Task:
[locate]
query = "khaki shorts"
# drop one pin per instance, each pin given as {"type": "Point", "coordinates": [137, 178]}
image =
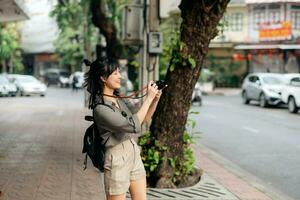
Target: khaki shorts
{"type": "Point", "coordinates": [123, 164]}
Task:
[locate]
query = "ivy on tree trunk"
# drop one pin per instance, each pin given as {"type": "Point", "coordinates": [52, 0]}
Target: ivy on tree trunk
{"type": "Point", "coordinates": [200, 19]}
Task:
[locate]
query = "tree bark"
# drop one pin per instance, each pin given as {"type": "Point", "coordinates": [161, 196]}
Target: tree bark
{"type": "Point", "coordinates": [107, 29]}
{"type": "Point", "coordinates": [199, 25]}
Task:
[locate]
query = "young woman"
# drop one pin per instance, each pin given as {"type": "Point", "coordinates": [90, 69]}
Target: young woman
{"type": "Point", "coordinates": [118, 122]}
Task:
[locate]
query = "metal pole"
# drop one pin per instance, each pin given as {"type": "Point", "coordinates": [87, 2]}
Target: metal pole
{"type": "Point", "coordinates": [153, 27]}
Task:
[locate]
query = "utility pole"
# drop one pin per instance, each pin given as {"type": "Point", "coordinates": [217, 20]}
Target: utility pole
{"type": "Point", "coordinates": [153, 67]}
{"type": "Point", "coordinates": [152, 44]}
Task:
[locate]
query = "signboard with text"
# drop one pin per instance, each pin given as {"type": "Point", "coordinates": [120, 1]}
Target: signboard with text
{"type": "Point", "coordinates": [275, 31]}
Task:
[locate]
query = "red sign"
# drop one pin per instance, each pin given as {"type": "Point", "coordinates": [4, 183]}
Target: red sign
{"type": "Point", "coordinates": [275, 31]}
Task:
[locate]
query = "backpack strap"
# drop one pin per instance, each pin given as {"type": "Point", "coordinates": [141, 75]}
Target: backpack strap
{"type": "Point", "coordinates": [85, 162]}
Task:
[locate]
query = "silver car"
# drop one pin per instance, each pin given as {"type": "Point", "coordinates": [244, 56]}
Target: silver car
{"type": "Point", "coordinates": [291, 92]}
{"type": "Point", "coordinates": [28, 85]}
{"type": "Point", "coordinates": [263, 87]}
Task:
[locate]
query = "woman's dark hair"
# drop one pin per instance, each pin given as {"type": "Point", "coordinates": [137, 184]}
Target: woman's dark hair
{"type": "Point", "coordinates": [98, 68]}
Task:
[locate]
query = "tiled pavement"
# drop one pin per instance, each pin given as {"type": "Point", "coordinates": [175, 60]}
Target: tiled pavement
{"type": "Point", "coordinates": [40, 156]}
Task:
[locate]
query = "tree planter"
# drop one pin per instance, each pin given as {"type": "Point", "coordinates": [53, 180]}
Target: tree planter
{"type": "Point", "coordinates": [208, 189]}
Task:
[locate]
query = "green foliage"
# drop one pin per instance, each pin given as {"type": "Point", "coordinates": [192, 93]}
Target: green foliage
{"type": "Point", "coordinates": [10, 46]}
{"type": "Point", "coordinates": [115, 13]}
{"type": "Point", "coordinates": [223, 24]}
{"type": "Point", "coordinates": [227, 73]}
{"type": "Point", "coordinates": [73, 19]}
{"type": "Point", "coordinates": [170, 30]}
{"type": "Point", "coordinates": [173, 53]}
{"type": "Point", "coordinates": [152, 153]}
{"type": "Point", "coordinates": [185, 166]}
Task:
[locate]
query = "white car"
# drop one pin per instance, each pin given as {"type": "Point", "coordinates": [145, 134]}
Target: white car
{"type": "Point", "coordinates": [263, 87]}
{"type": "Point", "coordinates": [3, 86]}
{"type": "Point", "coordinates": [7, 88]}
{"type": "Point", "coordinates": [291, 92]}
{"type": "Point", "coordinates": [80, 79]}
{"type": "Point", "coordinates": [197, 94]}
{"type": "Point", "coordinates": [28, 85]}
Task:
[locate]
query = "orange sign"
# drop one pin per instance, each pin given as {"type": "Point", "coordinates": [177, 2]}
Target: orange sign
{"type": "Point", "coordinates": [275, 31]}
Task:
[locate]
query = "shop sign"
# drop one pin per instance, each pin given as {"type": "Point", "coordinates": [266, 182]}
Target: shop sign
{"type": "Point", "coordinates": [275, 31]}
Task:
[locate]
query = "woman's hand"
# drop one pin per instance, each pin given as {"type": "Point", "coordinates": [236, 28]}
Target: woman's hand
{"type": "Point", "coordinates": [158, 95]}
{"type": "Point", "coordinates": [152, 90]}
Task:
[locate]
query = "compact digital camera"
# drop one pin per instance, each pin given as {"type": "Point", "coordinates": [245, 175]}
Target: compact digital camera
{"type": "Point", "coordinates": [160, 84]}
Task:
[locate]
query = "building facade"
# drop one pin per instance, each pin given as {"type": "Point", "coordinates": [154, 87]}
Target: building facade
{"type": "Point", "coordinates": [273, 44]}
{"type": "Point", "coordinates": [13, 10]}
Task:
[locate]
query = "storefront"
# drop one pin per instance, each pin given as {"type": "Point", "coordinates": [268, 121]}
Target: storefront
{"type": "Point", "coordinates": [277, 58]}
{"type": "Point", "coordinates": [273, 43]}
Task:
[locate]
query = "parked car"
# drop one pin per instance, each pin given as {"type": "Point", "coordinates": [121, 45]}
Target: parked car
{"type": "Point", "coordinates": [291, 92]}
{"type": "Point", "coordinates": [263, 87]}
{"type": "Point", "coordinates": [3, 86]}
{"type": "Point", "coordinates": [64, 79]}
{"type": "Point", "coordinates": [10, 87]}
{"type": "Point", "coordinates": [54, 76]}
{"type": "Point", "coordinates": [197, 95]}
{"type": "Point", "coordinates": [28, 85]}
{"type": "Point", "coordinates": [79, 79]}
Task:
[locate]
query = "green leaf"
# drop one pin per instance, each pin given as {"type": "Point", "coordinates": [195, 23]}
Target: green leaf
{"type": "Point", "coordinates": [172, 67]}
{"type": "Point", "coordinates": [152, 168]}
{"type": "Point", "coordinates": [171, 162]}
{"type": "Point", "coordinates": [193, 124]}
{"type": "Point", "coordinates": [192, 62]}
{"type": "Point", "coordinates": [181, 45]}
{"type": "Point", "coordinates": [194, 112]}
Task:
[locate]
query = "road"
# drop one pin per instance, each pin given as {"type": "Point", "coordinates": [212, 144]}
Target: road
{"type": "Point", "coordinates": [262, 141]}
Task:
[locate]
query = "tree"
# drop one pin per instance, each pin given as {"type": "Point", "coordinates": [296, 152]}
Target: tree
{"type": "Point", "coordinates": [200, 19]}
{"type": "Point", "coordinates": [10, 52]}
{"type": "Point", "coordinates": [107, 17]}
{"type": "Point", "coordinates": [76, 32]}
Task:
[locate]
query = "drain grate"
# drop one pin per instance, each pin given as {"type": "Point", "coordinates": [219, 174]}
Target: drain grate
{"type": "Point", "coordinates": [207, 188]}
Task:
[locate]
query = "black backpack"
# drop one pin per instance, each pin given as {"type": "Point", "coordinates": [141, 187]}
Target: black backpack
{"type": "Point", "coordinates": [94, 145]}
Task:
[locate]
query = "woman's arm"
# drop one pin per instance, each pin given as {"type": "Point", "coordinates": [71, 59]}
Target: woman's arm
{"type": "Point", "coordinates": [151, 94]}
{"type": "Point", "coordinates": [152, 107]}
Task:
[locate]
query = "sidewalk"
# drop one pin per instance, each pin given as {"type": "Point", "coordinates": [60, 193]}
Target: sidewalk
{"type": "Point", "coordinates": [40, 158]}
{"type": "Point", "coordinates": [233, 178]}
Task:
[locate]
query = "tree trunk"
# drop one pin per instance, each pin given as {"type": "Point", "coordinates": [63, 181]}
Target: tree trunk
{"type": "Point", "coordinates": [107, 29]}
{"type": "Point", "coordinates": [199, 25]}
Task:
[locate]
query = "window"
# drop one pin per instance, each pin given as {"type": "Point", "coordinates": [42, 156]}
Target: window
{"type": "Point", "coordinates": [236, 22]}
{"type": "Point", "coordinates": [253, 79]}
{"type": "Point", "coordinates": [295, 17]}
{"type": "Point", "coordinates": [295, 81]}
{"type": "Point", "coordinates": [274, 13]}
{"type": "Point", "coordinates": [266, 14]}
{"type": "Point", "coordinates": [259, 16]}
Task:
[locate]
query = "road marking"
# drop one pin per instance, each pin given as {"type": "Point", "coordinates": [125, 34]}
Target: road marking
{"type": "Point", "coordinates": [211, 116]}
{"type": "Point", "coordinates": [214, 103]}
{"type": "Point", "coordinates": [253, 130]}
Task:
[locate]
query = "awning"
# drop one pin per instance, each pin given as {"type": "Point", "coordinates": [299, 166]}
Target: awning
{"type": "Point", "coordinates": [12, 10]}
{"type": "Point", "coordinates": [267, 46]}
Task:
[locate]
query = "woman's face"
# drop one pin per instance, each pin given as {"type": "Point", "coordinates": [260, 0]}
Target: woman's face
{"type": "Point", "coordinates": [113, 81]}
